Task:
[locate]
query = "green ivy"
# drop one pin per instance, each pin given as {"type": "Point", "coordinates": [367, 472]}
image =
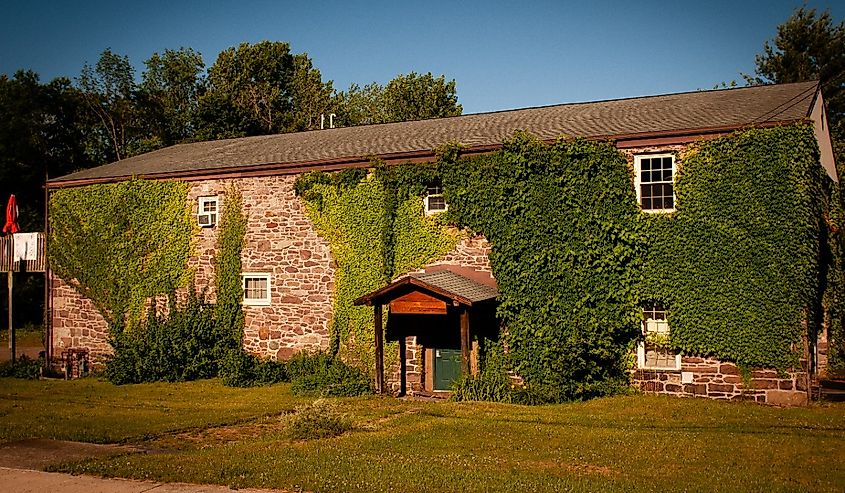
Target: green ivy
{"type": "Point", "coordinates": [738, 264]}
{"type": "Point", "coordinates": [562, 222]}
{"type": "Point", "coordinates": [120, 244]}
{"type": "Point", "coordinates": [377, 230]}
{"type": "Point", "coordinates": [227, 264]}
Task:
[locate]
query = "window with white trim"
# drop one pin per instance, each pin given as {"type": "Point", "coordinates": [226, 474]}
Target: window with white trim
{"type": "Point", "coordinates": [654, 353]}
{"type": "Point", "coordinates": [207, 211]}
{"type": "Point", "coordinates": [256, 287]}
{"type": "Point", "coordinates": [654, 176]}
{"type": "Point", "coordinates": [434, 201]}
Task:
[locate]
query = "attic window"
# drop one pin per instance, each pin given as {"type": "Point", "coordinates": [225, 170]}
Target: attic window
{"type": "Point", "coordinates": [207, 211]}
{"type": "Point", "coordinates": [653, 353]}
{"type": "Point", "coordinates": [434, 201]}
{"type": "Point", "coordinates": [654, 176]}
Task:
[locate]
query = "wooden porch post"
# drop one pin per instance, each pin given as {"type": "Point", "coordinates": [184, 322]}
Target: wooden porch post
{"type": "Point", "coordinates": [12, 347]}
{"type": "Point", "coordinates": [465, 370]}
{"type": "Point", "coordinates": [379, 349]}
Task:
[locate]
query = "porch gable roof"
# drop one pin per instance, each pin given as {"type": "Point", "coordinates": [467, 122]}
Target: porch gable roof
{"type": "Point", "coordinates": [444, 283]}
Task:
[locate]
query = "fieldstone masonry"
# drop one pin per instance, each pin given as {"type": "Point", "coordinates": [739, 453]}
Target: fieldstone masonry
{"type": "Point", "coordinates": [281, 241]}
{"type": "Point", "coordinates": [711, 378]}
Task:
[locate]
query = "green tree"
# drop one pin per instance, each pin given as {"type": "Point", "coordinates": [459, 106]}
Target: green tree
{"type": "Point", "coordinates": [310, 96]}
{"type": "Point", "coordinates": [169, 94]}
{"type": "Point", "coordinates": [418, 97]}
{"type": "Point", "coordinates": [109, 92]}
{"type": "Point", "coordinates": [808, 46]}
{"type": "Point", "coordinates": [407, 97]}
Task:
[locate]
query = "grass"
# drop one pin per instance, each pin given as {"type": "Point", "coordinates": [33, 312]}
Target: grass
{"type": "Point", "coordinates": [211, 434]}
{"type": "Point", "coordinates": [95, 411]}
{"type": "Point", "coordinates": [27, 336]}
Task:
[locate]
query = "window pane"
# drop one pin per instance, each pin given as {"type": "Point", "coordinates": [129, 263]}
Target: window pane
{"type": "Point", "coordinates": [646, 202]}
{"type": "Point", "coordinates": [667, 175]}
{"type": "Point", "coordinates": [667, 163]}
{"type": "Point", "coordinates": [436, 203]}
{"type": "Point", "coordinates": [645, 164]}
{"type": "Point", "coordinates": [645, 176]}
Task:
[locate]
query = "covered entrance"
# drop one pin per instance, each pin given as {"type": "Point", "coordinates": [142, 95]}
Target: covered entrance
{"type": "Point", "coordinates": [438, 318]}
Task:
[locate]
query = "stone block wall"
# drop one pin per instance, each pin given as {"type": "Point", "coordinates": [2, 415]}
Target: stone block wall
{"type": "Point", "coordinates": [280, 240]}
{"type": "Point", "coordinates": [76, 323]}
{"type": "Point", "coordinates": [711, 378]}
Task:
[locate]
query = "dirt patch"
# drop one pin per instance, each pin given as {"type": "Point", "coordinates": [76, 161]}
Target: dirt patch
{"type": "Point", "coordinates": [38, 453]}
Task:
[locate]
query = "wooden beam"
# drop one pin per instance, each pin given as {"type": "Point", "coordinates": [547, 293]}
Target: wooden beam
{"type": "Point", "coordinates": [465, 370]}
{"type": "Point", "coordinates": [379, 336]}
{"type": "Point", "coordinates": [11, 327]}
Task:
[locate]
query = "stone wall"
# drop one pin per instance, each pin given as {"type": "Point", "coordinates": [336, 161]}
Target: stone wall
{"type": "Point", "coordinates": [76, 323]}
{"type": "Point", "coordinates": [280, 240]}
{"type": "Point", "coordinates": [710, 378]}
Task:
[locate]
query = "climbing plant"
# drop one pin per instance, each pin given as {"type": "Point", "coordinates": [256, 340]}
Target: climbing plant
{"type": "Point", "coordinates": [122, 243]}
{"type": "Point", "coordinates": [377, 231]}
{"type": "Point", "coordinates": [227, 265]}
{"type": "Point", "coordinates": [562, 220]}
{"type": "Point", "coordinates": [738, 264]}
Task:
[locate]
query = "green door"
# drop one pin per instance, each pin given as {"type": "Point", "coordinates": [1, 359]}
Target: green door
{"type": "Point", "coordinates": [447, 368]}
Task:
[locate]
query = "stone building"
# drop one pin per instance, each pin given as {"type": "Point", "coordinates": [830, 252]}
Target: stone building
{"type": "Point", "coordinates": [288, 269]}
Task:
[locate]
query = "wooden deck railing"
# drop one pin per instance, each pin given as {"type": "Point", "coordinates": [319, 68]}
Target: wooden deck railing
{"type": "Point", "coordinates": [7, 256]}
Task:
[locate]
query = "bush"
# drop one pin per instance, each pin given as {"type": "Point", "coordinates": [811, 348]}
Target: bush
{"type": "Point", "coordinates": [492, 383]}
{"type": "Point", "coordinates": [320, 374]}
{"type": "Point", "coordinates": [241, 369]}
{"type": "Point", "coordinates": [24, 367]}
{"type": "Point", "coordinates": [318, 420]}
{"type": "Point", "coordinates": [186, 343]}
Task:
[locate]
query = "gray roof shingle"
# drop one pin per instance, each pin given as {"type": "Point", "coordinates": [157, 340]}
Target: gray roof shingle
{"type": "Point", "coordinates": [729, 108]}
{"type": "Point", "coordinates": [457, 284]}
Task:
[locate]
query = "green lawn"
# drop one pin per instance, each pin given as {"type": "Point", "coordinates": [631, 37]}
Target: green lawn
{"type": "Point", "coordinates": [207, 433]}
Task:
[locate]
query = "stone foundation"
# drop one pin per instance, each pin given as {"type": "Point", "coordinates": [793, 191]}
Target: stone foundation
{"type": "Point", "coordinates": [713, 379]}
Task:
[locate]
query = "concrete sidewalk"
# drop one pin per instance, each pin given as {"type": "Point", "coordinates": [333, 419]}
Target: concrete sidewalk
{"type": "Point", "coordinates": [29, 481]}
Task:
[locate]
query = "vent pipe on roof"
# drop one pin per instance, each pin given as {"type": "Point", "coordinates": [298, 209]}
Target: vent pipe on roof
{"type": "Point", "coordinates": [323, 120]}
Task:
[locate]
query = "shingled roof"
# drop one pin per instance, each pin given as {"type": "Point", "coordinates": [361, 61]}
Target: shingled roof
{"type": "Point", "coordinates": [443, 282]}
{"type": "Point", "coordinates": [688, 113]}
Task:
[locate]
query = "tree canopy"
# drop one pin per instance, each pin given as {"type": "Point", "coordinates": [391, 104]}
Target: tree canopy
{"type": "Point", "coordinates": [808, 46]}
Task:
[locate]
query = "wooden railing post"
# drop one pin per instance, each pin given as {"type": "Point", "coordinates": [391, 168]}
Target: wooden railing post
{"type": "Point", "coordinates": [465, 370]}
{"type": "Point", "coordinates": [379, 335]}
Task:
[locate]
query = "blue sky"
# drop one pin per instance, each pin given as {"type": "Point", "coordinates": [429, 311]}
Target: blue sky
{"type": "Point", "coordinates": [502, 54]}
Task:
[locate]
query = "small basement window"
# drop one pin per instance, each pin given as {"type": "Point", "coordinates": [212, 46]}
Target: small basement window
{"type": "Point", "coordinates": [653, 353]}
{"type": "Point", "coordinates": [207, 211]}
{"type": "Point", "coordinates": [434, 201]}
{"type": "Point", "coordinates": [256, 289]}
{"type": "Point", "coordinates": [654, 176]}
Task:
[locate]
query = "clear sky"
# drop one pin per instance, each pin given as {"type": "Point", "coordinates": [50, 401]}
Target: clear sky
{"type": "Point", "coordinates": [503, 55]}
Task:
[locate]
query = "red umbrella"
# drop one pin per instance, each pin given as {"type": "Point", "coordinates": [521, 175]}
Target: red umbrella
{"type": "Point", "coordinates": [11, 216]}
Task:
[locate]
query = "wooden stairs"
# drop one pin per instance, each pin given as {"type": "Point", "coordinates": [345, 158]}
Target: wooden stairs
{"type": "Point", "coordinates": [830, 390]}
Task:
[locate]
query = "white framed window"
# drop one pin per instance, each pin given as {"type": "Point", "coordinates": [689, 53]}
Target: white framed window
{"type": "Point", "coordinates": [654, 180]}
{"type": "Point", "coordinates": [434, 201]}
{"type": "Point", "coordinates": [653, 352]}
{"type": "Point", "coordinates": [207, 211]}
{"type": "Point", "coordinates": [256, 287]}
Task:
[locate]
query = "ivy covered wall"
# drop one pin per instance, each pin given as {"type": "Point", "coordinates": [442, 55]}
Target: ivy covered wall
{"type": "Point", "coordinates": [739, 264]}
{"type": "Point", "coordinates": [377, 232]}
{"type": "Point", "coordinates": [120, 244]}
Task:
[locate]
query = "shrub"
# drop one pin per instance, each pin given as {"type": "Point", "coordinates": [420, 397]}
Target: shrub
{"type": "Point", "coordinates": [24, 367]}
{"type": "Point", "coordinates": [185, 343]}
{"type": "Point", "coordinates": [241, 369]}
{"type": "Point", "coordinates": [492, 382]}
{"type": "Point", "coordinates": [318, 420]}
{"type": "Point", "coordinates": [320, 374]}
